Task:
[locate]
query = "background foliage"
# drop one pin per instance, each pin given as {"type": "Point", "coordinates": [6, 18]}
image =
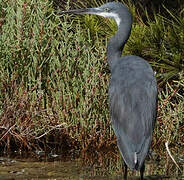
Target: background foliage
{"type": "Point", "coordinates": [54, 75]}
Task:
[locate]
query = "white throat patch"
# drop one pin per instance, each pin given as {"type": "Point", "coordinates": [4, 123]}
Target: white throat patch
{"type": "Point", "coordinates": [111, 15]}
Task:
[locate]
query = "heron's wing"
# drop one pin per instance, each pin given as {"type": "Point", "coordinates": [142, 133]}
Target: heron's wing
{"type": "Point", "coordinates": [133, 113]}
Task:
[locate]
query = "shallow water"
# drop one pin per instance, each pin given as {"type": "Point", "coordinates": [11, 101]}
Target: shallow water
{"type": "Point", "coordinates": [103, 167]}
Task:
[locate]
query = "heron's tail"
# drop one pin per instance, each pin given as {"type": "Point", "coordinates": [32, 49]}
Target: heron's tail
{"type": "Point", "coordinates": [136, 161]}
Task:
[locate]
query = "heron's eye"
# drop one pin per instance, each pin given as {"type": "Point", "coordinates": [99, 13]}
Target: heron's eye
{"type": "Point", "coordinates": [107, 9]}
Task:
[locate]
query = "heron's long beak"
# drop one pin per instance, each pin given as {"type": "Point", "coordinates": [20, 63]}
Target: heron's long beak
{"type": "Point", "coordinates": [81, 11]}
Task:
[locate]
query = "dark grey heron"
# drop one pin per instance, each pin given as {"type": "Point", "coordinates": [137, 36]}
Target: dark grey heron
{"type": "Point", "coordinates": [132, 90]}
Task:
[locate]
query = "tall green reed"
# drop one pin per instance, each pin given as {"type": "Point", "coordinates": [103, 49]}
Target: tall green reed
{"type": "Point", "coordinates": [47, 61]}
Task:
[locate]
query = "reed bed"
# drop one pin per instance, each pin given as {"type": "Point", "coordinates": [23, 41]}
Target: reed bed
{"type": "Point", "coordinates": [54, 79]}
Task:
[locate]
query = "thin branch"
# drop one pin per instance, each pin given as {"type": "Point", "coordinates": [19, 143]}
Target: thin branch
{"type": "Point", "coordinates": [9, 130]}
{"type": "Point", "coordinates": [167, 148]}
{"type": "Point", "coordinates": [55, 127]}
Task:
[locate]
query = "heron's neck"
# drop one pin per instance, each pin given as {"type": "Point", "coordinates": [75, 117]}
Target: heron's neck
{"type": "Point", "coordinates": [117, 42]}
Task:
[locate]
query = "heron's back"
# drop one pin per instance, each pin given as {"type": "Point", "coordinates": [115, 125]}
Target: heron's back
{"type": "Point", "coordinates": [133, 101]}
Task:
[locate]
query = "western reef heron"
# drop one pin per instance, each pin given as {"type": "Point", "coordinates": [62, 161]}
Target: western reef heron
{"type": "Point", "coordinates": [132, 90]}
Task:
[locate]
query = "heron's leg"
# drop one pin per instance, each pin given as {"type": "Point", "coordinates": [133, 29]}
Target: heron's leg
{"type": "Point", "coordinates": [142, 171]}
{"type": "Point", "coordinates": [125, 170]}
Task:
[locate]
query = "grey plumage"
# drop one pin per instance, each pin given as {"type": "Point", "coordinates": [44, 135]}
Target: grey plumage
{"type": "Point", "coordinates": [133, 108]}
{"type": "Point", "coordinates": [132, 90]}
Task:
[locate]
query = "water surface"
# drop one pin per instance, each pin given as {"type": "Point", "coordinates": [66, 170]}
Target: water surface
{"type": "Point", "coordinates": [103, 167]}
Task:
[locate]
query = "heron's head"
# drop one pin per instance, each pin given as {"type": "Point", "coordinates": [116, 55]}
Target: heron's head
{"type": "Point", "coordinates": [115, 10]}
